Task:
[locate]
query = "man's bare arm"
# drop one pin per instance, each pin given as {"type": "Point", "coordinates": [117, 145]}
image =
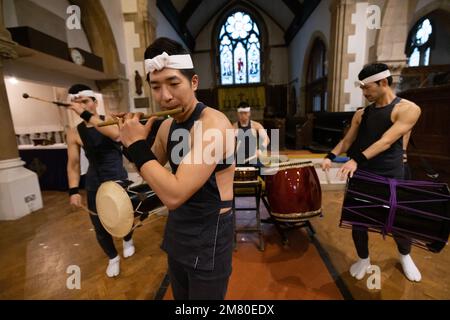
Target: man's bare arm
{"type": "Point", "coordinates": [175, 189]}
{"type": "Point", "coordinates": [263, 133]}
{"type": "Point", "coordinates": [160, 144]}
{"type": "Point", "coordinates": [73, 161]}
{"type": "Point", "coordinates": [111, 132]}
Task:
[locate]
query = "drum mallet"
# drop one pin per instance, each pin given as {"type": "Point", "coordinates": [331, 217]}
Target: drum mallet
{"type": "Point", "coordinates": [58, 103]}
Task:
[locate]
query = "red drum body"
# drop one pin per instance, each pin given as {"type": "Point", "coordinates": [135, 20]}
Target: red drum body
{"type": "Point", "coordinates": [294, 193]}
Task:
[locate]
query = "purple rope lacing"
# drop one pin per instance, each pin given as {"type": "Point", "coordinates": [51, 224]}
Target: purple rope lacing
{"type": "Point", "coordinates": [394, 204]}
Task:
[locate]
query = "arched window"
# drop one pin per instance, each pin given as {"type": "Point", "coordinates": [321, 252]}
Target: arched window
{"type": "Point", "coordinates": [316, 78]}
{"type": "Point", "coordinates": [419, 44]}
{"type": "Point", "coordinates": [239, 50]}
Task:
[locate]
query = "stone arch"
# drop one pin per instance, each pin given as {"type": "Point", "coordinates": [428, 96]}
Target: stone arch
{"type": "Point", "coordinates": [435, 5]}
{"type": "Point", "coordinates": [396, 25]}
{"type": "Point", "coordinates": [101, 39]}
{"type": "Point", "coordinates": [392, 36]}
{"type": "Point", "coordinates": [316, 35]}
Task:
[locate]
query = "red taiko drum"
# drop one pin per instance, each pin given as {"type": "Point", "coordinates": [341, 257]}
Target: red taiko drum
{"type": "Point", "coordinates": [294, 192]}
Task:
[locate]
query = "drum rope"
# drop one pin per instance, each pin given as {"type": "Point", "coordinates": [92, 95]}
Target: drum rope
{"type": "Point", "coordinates": [140, 224]}
{"type": "Point", "coordinates": [88, 211]}
{"type": "Point", "coordinates": [394, 203]}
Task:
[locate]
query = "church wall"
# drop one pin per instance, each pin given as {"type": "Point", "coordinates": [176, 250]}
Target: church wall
{"type": "Point", "coordinates": [48, 17]}
{"type": "Point", "coordinates": [423, 3]}
{"type": "Point", "coordinates": [165, 29]}
{"type": "Point", "coordinates": [318, 23]}
{"type": "Point", "coordinates": [276, 53]}
{"type": "Point", "coordinates": [113, 10]}
{"type": "Point", "coordinates": [440, 52]}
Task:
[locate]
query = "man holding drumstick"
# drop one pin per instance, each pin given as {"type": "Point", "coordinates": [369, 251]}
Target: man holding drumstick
{"type": "Point", "coordinates": [374, 143]}
{"type": "Point", "coordinates": [105, 163]}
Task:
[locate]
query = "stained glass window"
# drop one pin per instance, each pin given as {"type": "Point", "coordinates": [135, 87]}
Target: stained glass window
{"type": "Point", "coordinates": [419, 47]}
{"type": "Point", "coordinates": [239, 50]}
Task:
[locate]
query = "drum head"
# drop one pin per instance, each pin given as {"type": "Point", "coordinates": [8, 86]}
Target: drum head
{"type": "Point", "coordinates": [114, 209]}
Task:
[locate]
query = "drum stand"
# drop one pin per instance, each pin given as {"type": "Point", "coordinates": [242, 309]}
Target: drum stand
{"type": "Point", "coordinates": [283, 227]}
{"type": "Point", "coordinates": [248, 189]}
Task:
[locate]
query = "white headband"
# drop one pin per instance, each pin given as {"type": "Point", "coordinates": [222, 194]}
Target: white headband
{"type": "Point", "coordinates": [376, 77]}
{"type": "Point", "coordinates": [179, 61]}
{"type": "Point", "coordinates": [84, 93]}
{"type": "Point", "coordinates": [243, 109]}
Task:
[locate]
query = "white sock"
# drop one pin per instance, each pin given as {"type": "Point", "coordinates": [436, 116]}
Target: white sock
{"type": "Point", "coordinates": [113, 269]}
{"type": "Point", "coordinates": [359, 268]}
{"type": "Point", "coordinates": [409, 268]}
{"type": "Point", "coordinates": [128, 248]}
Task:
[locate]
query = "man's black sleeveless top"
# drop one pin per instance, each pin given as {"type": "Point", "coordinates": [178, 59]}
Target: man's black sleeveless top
{"type": "Point", "coordinates": [374, 123]}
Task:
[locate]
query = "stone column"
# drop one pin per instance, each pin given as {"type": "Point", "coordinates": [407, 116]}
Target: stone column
{"type": "Point", "coordinates": [19, 187]}
{"type": "Point", "coordinates": [339, 58]}
{"type": "Point", "coordinates": [140, 31]}
{"type": "Point", "coordinates": [392, 38]}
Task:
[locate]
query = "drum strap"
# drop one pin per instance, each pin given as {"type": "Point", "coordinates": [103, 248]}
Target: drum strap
{"type": "Point", "coordinates": [141, 223]}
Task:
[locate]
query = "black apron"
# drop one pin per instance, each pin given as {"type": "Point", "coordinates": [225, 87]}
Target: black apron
{"type": "Point", "coordinates": [246, 145]}
{"type": "Point", "coordinates": [104, 155]}
{"type": "Point", "coordinates": [196, 234]}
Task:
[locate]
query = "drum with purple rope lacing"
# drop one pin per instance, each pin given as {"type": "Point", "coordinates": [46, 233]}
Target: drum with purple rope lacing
{"type": "Point", "coordinates": [419, 210]}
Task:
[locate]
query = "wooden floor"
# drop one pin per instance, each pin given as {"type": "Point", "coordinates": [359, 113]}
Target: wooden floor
{"type": "Point", "coordinates": [338, 244]}
{"type": "Point", "coordinates": [37, 250]}
{"type": "Point", "coordinates": [279, 272]}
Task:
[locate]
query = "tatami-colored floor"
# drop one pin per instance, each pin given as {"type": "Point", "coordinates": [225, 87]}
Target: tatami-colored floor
{"type": "Point", "coordinates": [37, 250]}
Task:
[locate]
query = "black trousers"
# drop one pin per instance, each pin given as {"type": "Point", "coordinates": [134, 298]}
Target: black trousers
{"type": "Point", "coordinates": [104, 239]}
{"type": "Point", "coordinates": [191, 284]}
{"type": "Point", "coordinates": [361, 240]}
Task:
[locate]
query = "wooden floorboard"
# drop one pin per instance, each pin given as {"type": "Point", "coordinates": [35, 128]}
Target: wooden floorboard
{"type": "Point", "coordinates": [37, 250]}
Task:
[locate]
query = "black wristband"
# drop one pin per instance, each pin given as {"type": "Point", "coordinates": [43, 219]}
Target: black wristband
{"type": "Point", "coordinates": [73, 191]}
{"type": "Point", "coordinates": [86, 115]}
{"type": "Point", "coordinates": [140, 153]}
{"type": "Point", "coordinates": [359, 157]}
{"type": "Point", "coordinates": [331, 156]}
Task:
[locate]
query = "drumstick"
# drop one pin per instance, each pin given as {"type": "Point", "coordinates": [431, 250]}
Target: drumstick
{"type": "Point", "coordinates": [58, 103]}
{"type": "Point", "coordinates": [327, 177]}
{"type": "Point", "coordinates": [88, 211]}
{"type": "Point", "coordinates": [250, 158]}
{"type": "Point", "coordinates": [153, 213]}
{"type": "Point", "coordinates": [144, 117]}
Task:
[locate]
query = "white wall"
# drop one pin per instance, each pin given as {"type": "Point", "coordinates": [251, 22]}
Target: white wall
{"type": "Point", "coordinates": [32, 116]}
{"type": "Point", "coordinates": [165, 29]}
{"type": "Point", "coordinates": [35, 74]}
{"type": "Point", "coordinates": [319, 20]}
{"type": "Point", "coordinates": [43, 22]}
